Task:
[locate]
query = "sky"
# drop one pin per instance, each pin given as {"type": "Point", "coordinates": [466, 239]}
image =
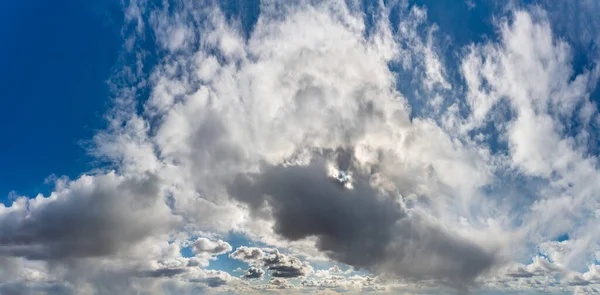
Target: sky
{"type": "Point", "coordinates": [299, 147]}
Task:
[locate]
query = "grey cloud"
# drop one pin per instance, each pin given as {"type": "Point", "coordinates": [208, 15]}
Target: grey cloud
{"type": "Point", "coordinates": [194, 262]}
{"type": "Point", "coordinates": [280, 265]}
{"type": "Point", "coordinates": [254, 273]}
{"type": "Point", "coordinates": [23, 288]}
{"type": "Point", "coordinates": [162, 272]}
{"type": "Point", "coordinates": [247, 254]}
{"type": "Point", "coordinates": [341, 283]}
{"type": "Point", "coordinates": [521, 273]}
{"type": "Point", "coordinates": [213, 278]}
{"type": "Point", "coordinates": [280, 283]}
{"type": "Point", "coordinates": [204, 245]}
{"type": "Point", "coordinates": [363, 226]}
{"type": "Point", "coordinates": [306, 202]}
{"type": "Point", "coordinates": [215, 282]}
{"type": "Point", "coordinates": [17, 278]}
{"type": "Point", "coordinates": [90, 217]}
{"type": "Point", "coordinates": [286, 266]}
{"type": "Point", "coordinates": [366, 226]}
{"type": "Point", "coordinates": [206, 250]}
{"type": "Point", "coordinates": [282, 271]}
{"type": "Point", "coordinates": [10, 269]}
{"type": "Point", "coordinates": [14, 289]}
{"type": "Point", "coordinates": [578, 281]}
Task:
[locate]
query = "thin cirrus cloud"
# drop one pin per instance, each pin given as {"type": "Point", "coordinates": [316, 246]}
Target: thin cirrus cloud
{"type": "Point", "coordinates": [293, 134]}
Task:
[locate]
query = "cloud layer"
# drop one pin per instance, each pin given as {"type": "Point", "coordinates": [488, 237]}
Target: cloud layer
{"type": "Point", "coordinates": [299, 135]}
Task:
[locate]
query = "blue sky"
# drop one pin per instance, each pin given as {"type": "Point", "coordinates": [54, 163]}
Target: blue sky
{"type": "Point", "coordinates": [191, 147]}
{"type": "Point", "coordinates": [52, 45]}
{"type": "Point", "coordinates": [56, 59]}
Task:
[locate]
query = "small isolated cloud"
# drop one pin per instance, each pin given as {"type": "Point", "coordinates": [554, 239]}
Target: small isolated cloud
{"type": "Point", "coordinates": [249, 255]}
{"type": "Point", "coordinates": [206, 250]}
{"type": "Point", "coordinates": [280, 265]}
{"type": "Point", "coordinates": [204, 245]}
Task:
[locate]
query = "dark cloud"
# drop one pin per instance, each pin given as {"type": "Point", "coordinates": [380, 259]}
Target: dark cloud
{"type": "Point", "coordinates": [162, 272]}
{"type": "Point", "coordinates": [30, 288]}
{"type": "Point", "coordinates": [14, 289]}
{"type": "Point", "coordinates": [283, 271]}
{"type": "Point", "coordinates": [521, 273]}
{"type": "Point", "coordinates": [280, 265]}
{"type": "Point", "coordinates": [286, 266]}
{"type": "Point", "coordinates": [215, 282]}
{"type": "Point", "coordinates": [254, 273]}
{"type": "Point", "coordinates": [364, 226]}
{"type": "Point", "coordinates": [92, 216]}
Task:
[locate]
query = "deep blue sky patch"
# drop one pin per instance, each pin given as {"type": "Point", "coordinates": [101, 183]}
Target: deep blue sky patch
{"type": "Point", "coordinates": [54, 59]}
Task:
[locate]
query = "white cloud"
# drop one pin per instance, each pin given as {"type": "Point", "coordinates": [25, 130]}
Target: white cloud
{"type": "Point", "coordinates": [241, 134]}
{"type": "Point", "coordinates": [279, 265]}
{"type": "Point", "coordinates": [531, 72]}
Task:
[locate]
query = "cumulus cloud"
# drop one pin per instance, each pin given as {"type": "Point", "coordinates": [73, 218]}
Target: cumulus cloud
{"type": "Point", "coordinates": [204, 245]}
{"type": "Point", "coordinates": [280, 283]}
{"type": "Point", "coordinates": [280, 265]}
{"type": "Point", "coordinates": [345, 284]}
{"type": "Point", "coordinates": [206, 250]}
{"type": "Point", "coordinates": [286, 266]}
{"type": "Point", "coordinates": [540, 144]}
{"type": "Point", "coordinates": [248, 254]}
{"type": "Point", "coordinates": [89, 217]}
{"type": "Point", "coordinates": [254, 273]}
{"type": "Point", "coordinates": [296, 135]}
{"type": "Point", "coordinates": [286, 95]}
{"type": "Point", "coordinates": [359, 226]}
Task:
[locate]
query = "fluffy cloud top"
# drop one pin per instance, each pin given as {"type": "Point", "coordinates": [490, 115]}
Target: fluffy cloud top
{"type": "Point", "coordinates": [293, 133]}
{"type": "Point", "coordinates": [89, 217]}
{"type": "Point", "coordinates": [280, 265]}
